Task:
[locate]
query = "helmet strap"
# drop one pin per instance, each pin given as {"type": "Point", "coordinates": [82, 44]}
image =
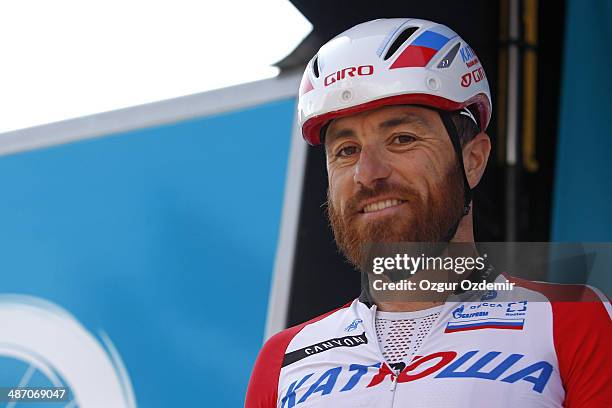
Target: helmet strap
{"type": "Point", "coordinates": [453, 134]}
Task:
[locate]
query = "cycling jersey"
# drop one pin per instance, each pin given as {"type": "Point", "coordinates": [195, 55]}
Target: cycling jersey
{"type": "Point", "coordinates": [400, 334]}
{"type": "Point", "coordinates": [486, 349]}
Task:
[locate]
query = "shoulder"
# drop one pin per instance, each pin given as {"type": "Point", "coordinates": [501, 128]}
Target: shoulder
{"type": "Point", "coordinates": [576, 309]}
{"type": "Point", "coordinates": [263, 384]}
{"type": "Point", "coordinates": [274, 348]}
{"type": "Point", "coordinates": [582, 327]}
{"type": "Point", "coordinates": [558, 292]}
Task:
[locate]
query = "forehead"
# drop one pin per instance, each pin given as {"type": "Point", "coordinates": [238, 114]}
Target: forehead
{"type": "Point", "coordinates": [384, 118]}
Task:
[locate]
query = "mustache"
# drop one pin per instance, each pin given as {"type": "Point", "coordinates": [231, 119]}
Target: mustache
{"type": "Point", "coordinates": [354, 204]}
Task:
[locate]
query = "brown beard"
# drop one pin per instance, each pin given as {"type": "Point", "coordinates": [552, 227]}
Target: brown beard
{"type": "Point", "coordinates": [429, 220]}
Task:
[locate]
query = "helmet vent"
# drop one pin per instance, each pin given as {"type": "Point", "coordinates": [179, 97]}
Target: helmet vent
{"type": "Point", "coordinates": [315, 67]}
{"type": "Point", "coordinates": [399, 41]}
{"type": "Point", "coordinates": [449, 57]}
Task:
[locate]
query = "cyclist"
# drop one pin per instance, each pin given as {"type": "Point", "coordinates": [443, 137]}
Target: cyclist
{"type": "Point", "coordinates": [402, 106]}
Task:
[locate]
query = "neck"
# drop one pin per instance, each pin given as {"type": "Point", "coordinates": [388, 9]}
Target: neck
{"type": "Point", "coordinates": [465, 230]}
{"type": "Point", "coordinates": [406, 306]}
{"type": "Point", "coordinates": [465, 233]}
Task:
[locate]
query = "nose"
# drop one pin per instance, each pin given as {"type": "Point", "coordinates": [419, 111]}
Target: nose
{"type": "Point", "coordinates": [371, 167]}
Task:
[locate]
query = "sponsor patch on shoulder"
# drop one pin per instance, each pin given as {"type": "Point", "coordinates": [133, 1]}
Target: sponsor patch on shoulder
{"type": "Point", "coordinates": [346, 341]}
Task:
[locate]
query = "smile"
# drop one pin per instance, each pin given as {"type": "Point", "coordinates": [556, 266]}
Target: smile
{"type": "Point", "coordinates": [381, 205]}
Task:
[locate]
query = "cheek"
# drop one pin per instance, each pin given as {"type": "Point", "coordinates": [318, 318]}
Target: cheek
{"type": "Point", "coordinates": [421, 170]}
{"type": "Point", "coordinates": [340, 187]}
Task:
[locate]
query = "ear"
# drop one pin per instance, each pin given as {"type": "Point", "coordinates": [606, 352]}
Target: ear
{"type": "Point", "coordinates": [475, 157]}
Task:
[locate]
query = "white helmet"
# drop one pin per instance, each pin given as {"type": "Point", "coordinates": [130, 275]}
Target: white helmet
{"type": "Point", "coordinates": [391, 62]}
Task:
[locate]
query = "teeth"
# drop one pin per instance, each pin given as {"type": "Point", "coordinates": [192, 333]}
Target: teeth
{"type": "Point", "coordinates": [381, 205]}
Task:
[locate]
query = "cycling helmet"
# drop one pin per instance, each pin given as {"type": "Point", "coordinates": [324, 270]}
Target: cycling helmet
{"type": "Point", "coordinates": [391, 62]}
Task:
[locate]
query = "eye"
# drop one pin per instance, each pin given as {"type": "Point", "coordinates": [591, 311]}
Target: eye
{"type": "Point", "coordinates": [403, 139]}
{"type": "Point", "coordinates": [347, 151]}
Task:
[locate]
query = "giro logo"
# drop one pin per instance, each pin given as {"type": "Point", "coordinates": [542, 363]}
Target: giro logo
{"type": "Point", "coordinates": [362, 70]}
{"type": "Point", "coordinates": [478, 74]}
{"type": "Point", "coordinates": [474, 76]}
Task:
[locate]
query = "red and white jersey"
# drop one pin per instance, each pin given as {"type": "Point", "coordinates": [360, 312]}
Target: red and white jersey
{"type": "Point", "coordinates": [524, 349]}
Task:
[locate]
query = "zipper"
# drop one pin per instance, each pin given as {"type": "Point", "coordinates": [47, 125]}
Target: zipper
{"type": "Point", "coordinates": [394, 384]}
{"type": "Point", "coordinates": [442, 313]}
{"type": "Point", "coordinates": [382, 358]}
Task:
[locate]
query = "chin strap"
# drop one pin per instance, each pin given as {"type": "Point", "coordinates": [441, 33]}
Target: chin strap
{"type": "Point", "coordinates": [451, 129]}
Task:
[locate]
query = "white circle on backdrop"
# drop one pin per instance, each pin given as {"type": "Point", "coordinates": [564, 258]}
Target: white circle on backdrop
{"type": "Point", "coordinates": [52, 341]}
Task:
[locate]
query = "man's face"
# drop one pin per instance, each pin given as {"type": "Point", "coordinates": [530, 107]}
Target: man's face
{"type": "Point", "coordinates": [393, 177]}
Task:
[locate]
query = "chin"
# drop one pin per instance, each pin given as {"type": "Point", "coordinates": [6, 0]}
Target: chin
{"type": "Point", "coordinates": [387, 230]}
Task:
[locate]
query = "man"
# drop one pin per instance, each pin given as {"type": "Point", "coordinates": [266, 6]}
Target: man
{"type": "Point", "coordinates": [401, 106]}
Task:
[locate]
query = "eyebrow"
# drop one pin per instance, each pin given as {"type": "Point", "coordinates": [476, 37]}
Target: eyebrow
{"type": "Point", "coordinates": [342, 133]}
{"type": "Point", "coordinates": [406, 118]}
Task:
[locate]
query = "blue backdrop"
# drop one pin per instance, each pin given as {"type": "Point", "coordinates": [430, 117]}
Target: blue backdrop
{"type": "Point", "coordinates": [583, 181]}
{"type": "Point", "coordinates": [164, 237]}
